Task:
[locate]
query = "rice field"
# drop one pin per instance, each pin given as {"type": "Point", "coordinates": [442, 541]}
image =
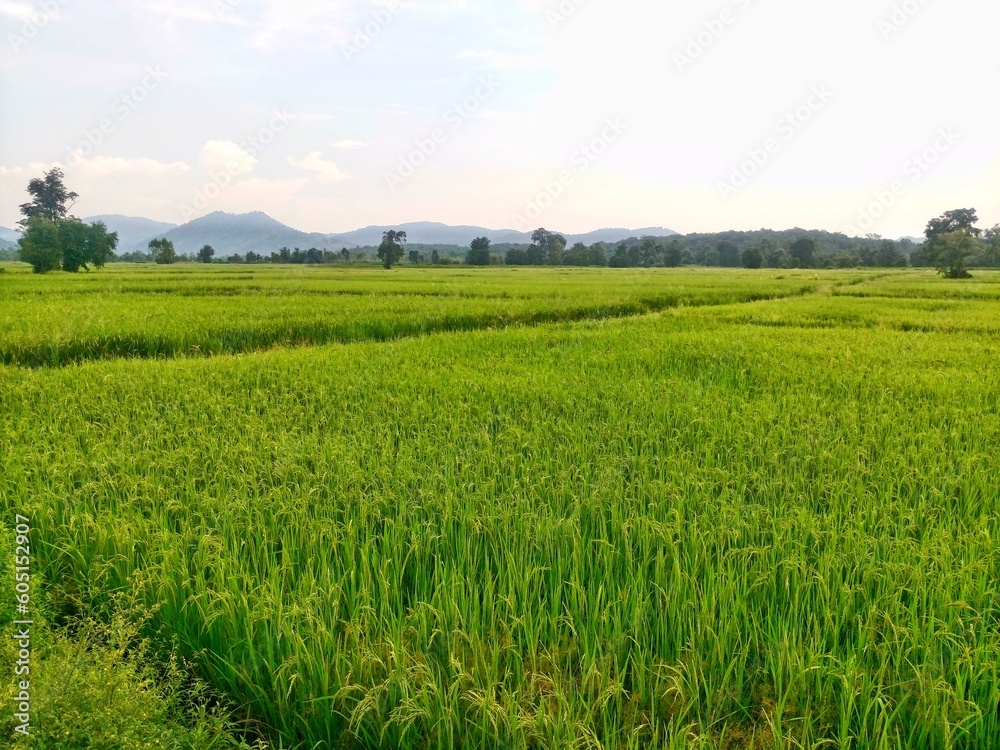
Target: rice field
{"type": "Point", "coordinates": [532, 508]}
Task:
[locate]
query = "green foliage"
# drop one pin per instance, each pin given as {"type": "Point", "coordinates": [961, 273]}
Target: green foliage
{"type": "Point", "coordinates": [46, 245]}
{"type": "Point", "coordinates": [99, 685]}
{"type": "Point", "coordinates": [479, 252]}
{"type": "Point", "coordinates": [753, 257]}
{"type": "Point", "coordinates": [391, 250]}
{"type": "Point", "coordinates": [951, 251]}
{"type": "Point", "coordinates": [39, 245]}
{"type": "Point", "coordinates": [49, 197]}
{"type": "Point", "coordinates": [207, 252]}
{"type": "Point", "coordinates": [162, 251]}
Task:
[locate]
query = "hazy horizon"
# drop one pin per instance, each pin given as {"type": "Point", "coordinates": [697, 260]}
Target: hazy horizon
{"type": "Point", "coordinates": [330, 115]}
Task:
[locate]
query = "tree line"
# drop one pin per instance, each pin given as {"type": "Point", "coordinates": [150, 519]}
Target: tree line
{"type": "Point", "coordinates": [52, 239]}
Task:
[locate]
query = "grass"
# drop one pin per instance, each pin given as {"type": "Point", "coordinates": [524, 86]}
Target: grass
{"type": "Point", "coordinates": [760, 525]}
{"type": "Point", "coordinates": [145, 312]}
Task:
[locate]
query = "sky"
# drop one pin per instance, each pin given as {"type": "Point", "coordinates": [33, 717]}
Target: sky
{"type": "Point", "coordinates": [861, 116]}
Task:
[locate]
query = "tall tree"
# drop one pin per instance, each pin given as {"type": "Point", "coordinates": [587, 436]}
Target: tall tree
{"type": "Point", "coordinates": [162, 251]}
{"type": "Point", "coordinates": [951, 240]}
{"type": "Point", "coordinates": [958, 220]}
{"type": "Point", "coordinates": [49, 197]}
{"type": "Point", "coordinates": [39, 245]}
{"type": "Point", "coordinates": [85, 245]}
{"type": "Point", "coordinates": [479, 252]}
{"type": "Point", "coordinates": [391, 250]}
{"type": "Point", "coordinates": [206, 253]}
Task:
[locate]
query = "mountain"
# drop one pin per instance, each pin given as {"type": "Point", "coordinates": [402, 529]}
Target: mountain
{"type": "Point", "coordinates": [133, 233]}
{"type": "Point", "coordinates": [259, 233]}
{"type": "Point", "coordinates": [241, 233]}
{"type": "Point", "coordinates": [8, 238]}
{"type": "Point", "coordinates": [433, 233]}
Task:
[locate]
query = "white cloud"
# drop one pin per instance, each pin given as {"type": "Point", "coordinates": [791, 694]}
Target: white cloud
{"type": "Point", "coordinates": [226, 156]}
{"type": "Point", "coordinates": [348, 144]}
{"type": "Point", "coordinates": [19, 11]}
{"type": "Point", "coordinates": [106, 166]}
{"type": "Point", "coordinates": [314, 162]}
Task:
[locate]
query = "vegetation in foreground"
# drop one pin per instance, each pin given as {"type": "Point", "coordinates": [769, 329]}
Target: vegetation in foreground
{"type": "Point", "coordinates": [760, 524]}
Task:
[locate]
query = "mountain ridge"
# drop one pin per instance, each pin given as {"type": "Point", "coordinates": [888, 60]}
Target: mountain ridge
{"type": "Point", "coordinates": [257, 232]}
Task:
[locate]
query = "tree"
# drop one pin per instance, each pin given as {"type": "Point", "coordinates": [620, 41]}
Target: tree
{"type": "Point", "coordinates": [162, 251]}
{"type": "Point", "coordinates": [39, 245]}
{"type": "Point", "coordinates": [753, 257]}
{"type": "Point", "coordinates": [479, 252]}
{"type": "Point", "coordinates": [651, 252]}
{"type": "Point", "coordinates": [416, 257]}
{"type": "Point", "coordinates": [804, 251]}
{"type": "Point", "coordinates": [990, 257]}
{"type": "Point", "coordinates": [958, 220]}
{"type": "Point", "coordinates": [435, 257]}
{"type": "Point", "coordinates": [49, 198]}
{"type": "Point", "coordinates": [516, 256]}
{"type": "Point", "coordinates": [729, 254]}
{"type": "Point", "coordinates": [578, 255]}
{"type": "Point", "coordinates": [598, 254]}
{"type": "Point", "coordinates": [206, 253]}
{"type": "Point", "coordinates": [620, 258]}
{"type": "Point", "coordinates": [951, 239]}
{"type": "Point", "coordinates": [950, 252]}
{"type": "Point", "coordinates": [546, 248]}
{"type": "Point", "coordinates": [391, 250]}
{"type": "Point", "coordinates": [48, 245]}
{"type": "Point", "coordinates": [85, 245]}
{"type": "Point", "coordinates": [889, 255]}
{"type": "Point", "coordinates": [673, 254]}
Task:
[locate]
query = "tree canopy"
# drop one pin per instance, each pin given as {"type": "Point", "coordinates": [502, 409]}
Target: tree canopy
{"type": "Point", "coordinates": [49, 197]}
{"type": "Point", "coordinates": [390, 251]}
{"type": "Point", "coordinates": [51, 240]}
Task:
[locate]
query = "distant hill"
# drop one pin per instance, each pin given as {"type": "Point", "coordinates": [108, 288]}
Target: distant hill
{"type": "Point", "coordinates": [133, 233]}
{"type": "Point", "coordinates": [8, 238]}
{"type": "Point", "coordinates": [259, 233]}
{"type": "Point", "coordinates": [433, 233]}
{"type": "Point", "coordinates": [241, 233]}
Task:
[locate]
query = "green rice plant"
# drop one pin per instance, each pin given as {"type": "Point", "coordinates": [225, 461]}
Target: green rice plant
{"type": "Point", "coordinates": [759, 525]}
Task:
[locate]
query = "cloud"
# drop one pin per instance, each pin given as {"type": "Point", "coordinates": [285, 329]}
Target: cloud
{"type": "Point", "coordinates": [19, 11]}
{"type": "Point", "coordinates": [98, 166]}
{"type": "Point", "coordinates": [314, 162]}
{"type": "Point", "coordinates": [226, 156]}
{"type": "Point", "coordinates": [193, 10]}
{"type": "Point", "coordinates": [106, 166]}
{"type": "Point", "coordinates": [348, 144]}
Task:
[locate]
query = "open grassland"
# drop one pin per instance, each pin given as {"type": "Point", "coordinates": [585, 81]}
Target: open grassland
{"type": "Point", "coordinates": [772, 524]}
